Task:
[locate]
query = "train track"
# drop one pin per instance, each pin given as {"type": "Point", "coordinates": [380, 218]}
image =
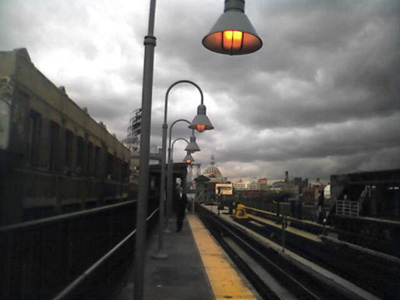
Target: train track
{"type": "Point", "coordinates": [376, 273]}
{"type": "Point", "coordinates": [272, 273]}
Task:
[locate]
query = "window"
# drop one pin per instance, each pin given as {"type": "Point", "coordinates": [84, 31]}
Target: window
{"type": "Point", "coordinates": [110, 162]}
{"type": "Point", "coordinates": [34, 137]}
{"type": "Point", "coordinates": [54, 146]}
{"type": "Point", "coordinates": [89, 159]}
{"type": "Point", "coordinates": [79, 156]}
{"type": "Point", "coordinates": [68, 149]}
{"type": "Point", "coordinates": [97, 161]}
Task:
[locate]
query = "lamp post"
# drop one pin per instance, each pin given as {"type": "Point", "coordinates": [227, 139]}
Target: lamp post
{"type": "Point", "coordinates": [147, 91]}
{"type": "Point", "coordinates": [141, 210]}
{"type": "Point", "coordinates": [201, 123]}
{"type": "Point", "coordinates": [188, 157]}
{"type": "Point", "coordinates": [233, 33]}
{"type": "Point", "coordinates": [191, 147]}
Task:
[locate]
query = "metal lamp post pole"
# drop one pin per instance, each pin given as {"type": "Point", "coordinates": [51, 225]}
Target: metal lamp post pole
{"type": "Point", "coordinates": [169, 180]}
{"type": "Point", "coordinates": [148, 68]}
{"type": "Point", "coordinates": [160, 254]}
{"type": "Point", "coordinates": [169, 171]}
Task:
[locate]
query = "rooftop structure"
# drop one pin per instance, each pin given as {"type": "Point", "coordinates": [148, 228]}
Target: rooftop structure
{"type": "Point", "coordinates": [213, 172]}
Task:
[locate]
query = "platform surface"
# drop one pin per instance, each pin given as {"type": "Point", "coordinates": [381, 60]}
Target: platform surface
{"type": "Point", "coordinates": [191, 270]}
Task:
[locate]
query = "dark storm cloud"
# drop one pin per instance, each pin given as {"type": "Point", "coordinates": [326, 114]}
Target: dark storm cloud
{"type": "Point", "coordinates": [320, 141]}
{"type": "Point", "coordinates": [320, 97]}
{"type": "Point", "coordinates": [352, 46]}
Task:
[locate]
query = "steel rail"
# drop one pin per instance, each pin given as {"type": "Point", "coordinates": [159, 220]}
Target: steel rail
{"type": "Point", "coordinates": [260, 256]}
{"type": "Point", "coordinates": [345, 260]}
{"type": "Point", "coordinates": [45, 221]}
{"type": "Point", "coordinates": [283, 270]}
{"type": "Point", "coordinates": [278, 272]}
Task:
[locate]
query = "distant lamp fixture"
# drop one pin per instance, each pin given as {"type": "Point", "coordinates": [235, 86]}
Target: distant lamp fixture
{"type": "Point", "coordinates": [233, 33]}
{"type": "Point", "coordinates": [188, 158]}
{"type": "Point", "coordinates": [192, 146]}
{"type": "Point", "coordinates": [201, 121]}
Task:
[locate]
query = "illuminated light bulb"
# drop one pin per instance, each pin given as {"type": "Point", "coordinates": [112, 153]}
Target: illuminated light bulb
{"type": "Point", "coordinates": [232, 40]}
{"type": "Point", "coordinates": [201, 127]}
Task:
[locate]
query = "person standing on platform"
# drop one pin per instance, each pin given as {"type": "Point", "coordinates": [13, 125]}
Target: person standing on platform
{"type": "Point", "coordinates": [180, 210]}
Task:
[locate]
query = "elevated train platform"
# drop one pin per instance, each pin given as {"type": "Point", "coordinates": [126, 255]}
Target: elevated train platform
{"type": "Point", "coordinates": [196, 268]}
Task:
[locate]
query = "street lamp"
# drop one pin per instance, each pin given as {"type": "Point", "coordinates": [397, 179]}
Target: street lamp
{"type": "Point", "coordinates": [233, 33]}
{"type": "Point", "coordinates": [188, 158]}
{"type": "Point", "coordinates": [212, 42]}
{"type": "Point", "coordinates": [201, 123]}
{"type": "Point", "coordinates": [144, 155]}
{"type": "Point", "coordinates": [192, 146]}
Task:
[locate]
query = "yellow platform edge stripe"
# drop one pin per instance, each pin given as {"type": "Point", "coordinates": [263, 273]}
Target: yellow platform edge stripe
{"type": "Point", "coordinates": [224, 279]}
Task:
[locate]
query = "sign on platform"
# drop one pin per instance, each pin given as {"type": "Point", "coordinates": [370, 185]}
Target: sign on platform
{"type": "Point", "coordinates": [224, 189]}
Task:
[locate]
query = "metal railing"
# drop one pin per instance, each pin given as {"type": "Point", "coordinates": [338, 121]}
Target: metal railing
{"type": "Point", "coordinates": [40, 258]}
{"type": "Point", "coordinates": [69, 290]}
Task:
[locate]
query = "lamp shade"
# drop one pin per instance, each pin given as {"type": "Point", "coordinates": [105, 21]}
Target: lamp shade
{"type": "Point", "coordinates": [233, 33]}
{"type": "Point", "coordinates": [192, 146]}
{"type": "Point", "coordinates": [188, 158]}
{"type": "Point", "coordinates": [201, 121]}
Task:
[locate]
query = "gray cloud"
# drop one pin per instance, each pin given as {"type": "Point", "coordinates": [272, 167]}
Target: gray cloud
{"type": "Point", "coordinates": [321, 96]}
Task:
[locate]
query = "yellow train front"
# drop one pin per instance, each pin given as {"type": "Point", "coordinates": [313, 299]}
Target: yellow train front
{"type": "Point", "coordinates": [240, 212]}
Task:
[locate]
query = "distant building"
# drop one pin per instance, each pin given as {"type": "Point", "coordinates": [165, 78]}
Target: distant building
{"type": "Point", "coordinates": [240, 185]}
{"type": "Point", "coordinates": [213, 172]}
{"type": "Point", "coordinates": [313, 191]}
{"type": "Point", "coordinates": [214, 176]}
{"type": "Point", "coordinates": [252, 186]}
{"type": "Point", "coordinates": [262, 184]}
{"type": "Point", "coordinates": [277, 186]}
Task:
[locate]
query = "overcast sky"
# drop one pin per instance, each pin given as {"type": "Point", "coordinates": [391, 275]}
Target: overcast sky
{"type": "Point", "coordinates": [320, 97]}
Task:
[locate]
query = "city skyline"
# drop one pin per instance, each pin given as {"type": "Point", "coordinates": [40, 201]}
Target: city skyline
{"type": "Point", "coordinates": [321, 97]}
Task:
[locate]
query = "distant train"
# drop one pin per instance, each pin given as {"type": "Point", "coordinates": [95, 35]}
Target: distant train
{"type": "Point", "coordinates": [54, 158]}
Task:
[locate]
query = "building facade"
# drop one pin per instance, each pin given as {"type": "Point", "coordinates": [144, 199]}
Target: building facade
{"type": "Point", "coordinates": [54, 157]}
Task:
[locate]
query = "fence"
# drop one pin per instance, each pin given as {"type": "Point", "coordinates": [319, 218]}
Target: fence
{"type": "Point", "coordinates": [40, 258]}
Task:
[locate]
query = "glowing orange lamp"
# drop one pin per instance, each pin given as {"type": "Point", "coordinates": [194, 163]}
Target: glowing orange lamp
{"type": "Point", "coordinates": [192, 146]}
{"type": "Point", "coordinates": [233, 33]}
{"type": "Point", "coordinates": [188, 158]}
{"type": "Point", "coordinates": [201, 121]}
{"type": "Point", "coordinates": [201, 127]}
